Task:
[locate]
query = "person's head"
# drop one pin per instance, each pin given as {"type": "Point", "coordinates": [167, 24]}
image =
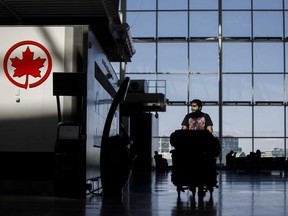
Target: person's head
{"type": "Point", "coordinates": [196, 105]}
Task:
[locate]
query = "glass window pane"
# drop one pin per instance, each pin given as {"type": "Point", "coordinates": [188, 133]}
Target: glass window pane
{"type": "Point", "coordinates": [267, 24]}
{"type": "Point", "coordinates": [270, 147]}
{"type": "Point", "coordinates": [176, 86]}
{"type": "Point", "coordinates": [236, 24]}
{"type": "Point", "coordinates": [286, 124]}
{"type": "Point", "coordinates": [203, 4]}
{"type": "Point", "coordinates": [172, 24]}
{"type": "Point", "coordinates": [213, 111]}
{"type": "Point", "coordinates": [141, 4]}
{"type": "Point", "coordinates": [172, 57]}
{"type": "Point", "coordinates": [267, 4]}
{"type": "Point", "coordinates": [286, 57]}
{"type": "Point", "coordinates": [204, 87]}
{"type": "Point", "coordinates": [144, 59]}
{"type": "Point", "coordinates": [237, 87]}
{"type": "Point", "coordinates": [173, 5]}
{"type": "Point", "coordinates": [203, 57]}
{"type": "Point", "coordinates": [237, 57]}
{"type": "Point", "coordinates": [203, 24]}
{"type": "Point", "coordinates": [286, 22]}
{"type": "Point", "coordinates": [142, 24]}
{"type": "Point", "coordinates": [237, 121]}
{"type": "Point", "coordinates": [286, 4]}
{"type": "Point", "coordinates": [163, 146]}
{"type": "Point", "coordinates": [147, 77]}
{"type": "Point", "coordinates": [286, 83]}
{"type": "Point", "coordinates": [268, 57]}
{"type": "Point", "coordinates": [230, 143]}
{"type": "Point", "coordinates": [268, 87]}
{"type": "Point", "coordinates": [245, 147]}
{"type": "Point", "coordinates": [269, 121]}
{"type": "Point", "coordinates": [242, 146]}
{"type": "Point", "coordinates": [171, 120]}
{"type": "Point", "coordinates": [236, 4]}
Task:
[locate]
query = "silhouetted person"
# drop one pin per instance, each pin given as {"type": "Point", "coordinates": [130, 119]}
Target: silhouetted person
{"type": "Point", "coordinates": [258, 153]}
{"type": "Point", "coordinates": [161, 163]}
{"type": "Point", "coordinates": [197, 120]}
{"type": "Point", "coordinates": [229, 159]}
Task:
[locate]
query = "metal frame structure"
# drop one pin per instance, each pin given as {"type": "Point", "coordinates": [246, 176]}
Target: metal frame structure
{"type": "Point", "coordinates": [220, 39]}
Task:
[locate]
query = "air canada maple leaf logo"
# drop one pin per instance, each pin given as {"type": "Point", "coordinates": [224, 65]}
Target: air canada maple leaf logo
{"type": "Point", "coordinates": [27, 65]}
{"type": "Point", "coordinates": [23, 68]}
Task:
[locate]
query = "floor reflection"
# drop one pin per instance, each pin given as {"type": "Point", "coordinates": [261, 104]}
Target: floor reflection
{"type": "Point", "coordinates": [153, 194]}
{"type": "Point", "coordinates": [194, 205]}
{"type": "Point", "coordinates": [113, 206]}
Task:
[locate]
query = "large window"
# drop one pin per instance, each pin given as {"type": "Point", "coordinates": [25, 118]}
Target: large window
{"type": "Point", "coordinates": [237, 57]}
{"type": "Point", "coordinates": [144, 59]}
{"type": "Point", "coordinates": [203, 57]}
{"type": "Point", "coordinates": [172, 57]}
{"type": "Point", "coordinates": [233, 58]}
{"type": "Point", "coordinates": [236, 23]}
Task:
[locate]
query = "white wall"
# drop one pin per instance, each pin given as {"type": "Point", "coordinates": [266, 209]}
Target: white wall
{"type": "Point", "coordinates": [28, 115]}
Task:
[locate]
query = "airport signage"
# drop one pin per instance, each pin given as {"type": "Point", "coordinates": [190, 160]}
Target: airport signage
{"type": "Point", "coordinates": [27, 59]}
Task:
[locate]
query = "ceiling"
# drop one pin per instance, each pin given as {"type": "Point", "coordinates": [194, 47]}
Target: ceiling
{"type": "Point", "coordinates": [95, 13]}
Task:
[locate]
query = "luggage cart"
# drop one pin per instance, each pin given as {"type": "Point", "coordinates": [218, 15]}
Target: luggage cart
{"type": "Point", "coordinates": [194, 161]}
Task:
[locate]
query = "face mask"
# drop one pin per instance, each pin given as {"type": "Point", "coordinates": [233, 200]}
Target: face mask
{"type": "Point", "coordinates": [194, 109]}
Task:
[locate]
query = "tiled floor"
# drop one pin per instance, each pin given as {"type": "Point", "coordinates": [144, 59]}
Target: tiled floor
{"type": "Point", "coordinates": [239, 193]}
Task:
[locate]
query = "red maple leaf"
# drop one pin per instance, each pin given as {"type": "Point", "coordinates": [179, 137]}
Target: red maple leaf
{"type": "Point", "coordinates": [27, 65]}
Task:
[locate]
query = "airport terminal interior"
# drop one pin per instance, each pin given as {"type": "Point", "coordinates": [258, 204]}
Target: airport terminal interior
{"type": "Point", "coordinates": [95, 92]}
